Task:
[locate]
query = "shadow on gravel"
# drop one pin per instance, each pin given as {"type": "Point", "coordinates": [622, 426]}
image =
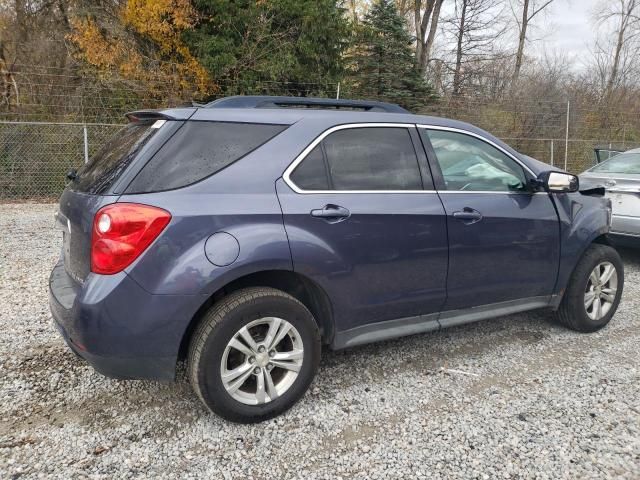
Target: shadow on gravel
{"type": "Point", "coordinates": [630, 256]}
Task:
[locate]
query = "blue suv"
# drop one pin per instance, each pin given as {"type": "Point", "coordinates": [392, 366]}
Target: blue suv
{"type": "Point", "coordinates": [245, 234]}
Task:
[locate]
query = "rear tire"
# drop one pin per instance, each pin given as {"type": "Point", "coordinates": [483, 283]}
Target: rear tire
{"type": "Point", "coordinates": [589, 302]}
{"type": "Point", "coordinates": [254, 354]}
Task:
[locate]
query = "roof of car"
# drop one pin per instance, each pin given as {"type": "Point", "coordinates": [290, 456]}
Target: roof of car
{"type": "Point", "coordinates": [274, 110]}
{"type": "Point", "coordinates": [289, 116]}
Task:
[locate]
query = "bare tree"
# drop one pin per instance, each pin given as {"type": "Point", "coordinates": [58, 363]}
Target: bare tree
{"type": "Point", "coordinates": [476, 33]}
{"type": "Point", "coordinates": [528, 9]}
{"type": "Point", "coordinates": [616, 61]}
{"type": "Point", "coordinates": [8, 80]}
{"type": "Point", "coordinates": [426, 24]}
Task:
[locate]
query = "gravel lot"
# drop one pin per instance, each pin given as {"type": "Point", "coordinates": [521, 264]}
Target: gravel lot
{"type": "Point", "coordinates": [514, 397]}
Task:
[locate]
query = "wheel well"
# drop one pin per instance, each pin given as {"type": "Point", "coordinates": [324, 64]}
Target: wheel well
{"type": "Point", "coordinates": [602, 239]}
{"type": "Point", "coordinates": [298, 286]}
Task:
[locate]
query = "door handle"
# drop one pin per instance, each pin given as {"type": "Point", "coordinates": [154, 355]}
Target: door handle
{"type": "Point", "coordinates": [468, 216]}
{"type": "Point", "coordinates": [331, 213]}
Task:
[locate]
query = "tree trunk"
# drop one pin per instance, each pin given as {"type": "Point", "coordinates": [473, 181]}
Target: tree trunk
{"type": "Point", "coordinates": [421, 24]}
{"type": "Point", "coordinates": [435, 17]}
{"type": "Point", "coordinates": [457, 74]}
{"type": "Point", "coordinates": [615, 67]}
{"type": "Point", "coordinates": [521, 39]}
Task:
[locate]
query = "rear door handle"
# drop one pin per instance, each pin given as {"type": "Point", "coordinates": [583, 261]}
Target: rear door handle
{"type": "Point", "coordinates": [468, 216]}
{"type": "Point", "coordinates": [331, 213]}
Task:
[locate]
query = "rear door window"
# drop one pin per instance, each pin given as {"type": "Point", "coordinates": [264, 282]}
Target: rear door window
{"type": "Point", "coordinates": [104, 168]}
{"type": "Point", "coordinates": [361, 159]}
{"type": "Point", "coordinates": [199, 150]}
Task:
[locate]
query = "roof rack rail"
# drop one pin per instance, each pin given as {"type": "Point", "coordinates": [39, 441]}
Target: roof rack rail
{"type": "Point", "coordinates": [255, 101]}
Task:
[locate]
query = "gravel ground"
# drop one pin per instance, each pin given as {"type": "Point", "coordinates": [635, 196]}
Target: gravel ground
{"type": "Point", "coordinates": [514, 397]}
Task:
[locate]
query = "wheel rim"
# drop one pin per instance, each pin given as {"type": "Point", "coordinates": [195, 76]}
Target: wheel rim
{"type": "Point", "coordinates": [261, 361]}
{"type": "Point", "coordinates": [601, 290]}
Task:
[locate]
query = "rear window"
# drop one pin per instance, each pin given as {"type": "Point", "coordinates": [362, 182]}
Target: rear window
{"type": "Point", "coordinates": [199, 150]}
{"type": "Point", "coordinates": [113, 158]}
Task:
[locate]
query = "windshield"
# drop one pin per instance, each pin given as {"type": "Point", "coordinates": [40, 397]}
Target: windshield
{"type": "Point", "coordinates": [623, 163]}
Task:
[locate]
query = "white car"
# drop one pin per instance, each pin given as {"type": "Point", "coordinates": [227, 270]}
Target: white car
{"type": "Point", "coordinates": [620, 176]}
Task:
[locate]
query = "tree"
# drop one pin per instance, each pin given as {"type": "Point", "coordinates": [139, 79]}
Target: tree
{"type": "Point", "coordinates": [476, 32]}
{"type": "Point", "coordinates": [259, 46]}
{"type": "Point", "coordinates": [141, 41]}
{"type": "Point", "coordinates": [382, 63]}
{"type": "Point", "coordinates": [616, 60]}
{"type": "Point", "coordinates": [528, 10]}
{"type": "Point", "coordinates": [426, 19]}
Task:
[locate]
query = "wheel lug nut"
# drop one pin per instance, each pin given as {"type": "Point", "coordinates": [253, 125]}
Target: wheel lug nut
{"type": "Point", "coordinates": [272, 353]}
{"type": "Point", "coordinates": [256, 370]}
{"type": "Point", "coordinates": [252, 360]}
{"type": "Point", "coordinates": [261, 349]}
{"type": "Point", "coordinates": [269, 367]}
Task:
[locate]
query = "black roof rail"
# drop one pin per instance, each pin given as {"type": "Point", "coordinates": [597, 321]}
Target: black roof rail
{"type": "Point", "coordinates": [255, 101]}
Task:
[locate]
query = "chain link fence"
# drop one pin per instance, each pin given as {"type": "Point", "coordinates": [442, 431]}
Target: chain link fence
{"type": "Point", "coordinates": [35, 157]}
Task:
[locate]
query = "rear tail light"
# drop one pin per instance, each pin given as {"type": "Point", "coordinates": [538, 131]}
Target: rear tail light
{"type": "Point", "coordinates": [121, 232]}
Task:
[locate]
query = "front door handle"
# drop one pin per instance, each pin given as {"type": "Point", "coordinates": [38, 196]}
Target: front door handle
{"type": "Point", "coordinates": [468, 216]}
{"type": "Point", "coordinates": [331, 213]}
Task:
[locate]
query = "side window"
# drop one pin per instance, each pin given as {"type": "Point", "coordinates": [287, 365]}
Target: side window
{"type": "Point", "coordinates": [311, 174]}
{"type": "Point", "coordinates": [372, 158]}
{"type": "Point", "coordinates": [469, 164]}
{"type": "Point", "coordinates": [198, 150]}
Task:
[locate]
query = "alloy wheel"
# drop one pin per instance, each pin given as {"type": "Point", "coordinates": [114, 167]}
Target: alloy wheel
{"type": "Point", "coordinates": [601, 289]}
{"type": "Point", "coordinates": [261, 361]}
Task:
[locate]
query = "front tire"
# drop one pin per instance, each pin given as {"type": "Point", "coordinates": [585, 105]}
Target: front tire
{"type": "Point", "coordinates": [594, 290]}
{"type": "Point", "coordinates": [254, 354]}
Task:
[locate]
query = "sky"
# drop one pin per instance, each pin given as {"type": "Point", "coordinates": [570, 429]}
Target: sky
{"type": "Point", "coordinates": [567, 27]}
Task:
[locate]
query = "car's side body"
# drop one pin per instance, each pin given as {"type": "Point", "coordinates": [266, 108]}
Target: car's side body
{"type": "Point", "coordinates": [400, 264]}
{"type": "Point", "coordinates": [623, 189]}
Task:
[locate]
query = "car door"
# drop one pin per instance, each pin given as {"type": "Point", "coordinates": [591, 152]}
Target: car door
{"type": "Point", "coordinates": [503, 238]}
{"type": "Point", "coordinates": [364, 223]}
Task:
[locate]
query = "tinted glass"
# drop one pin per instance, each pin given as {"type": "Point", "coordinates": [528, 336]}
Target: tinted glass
{"type": "Point", "coordinates": [373, 158]}
{"type": "Point", "coordinates": [198, 150]}
{"type": "Point", "coordinates": [311, 174]}
{"type": "Point", "coordinates": [114, 157]}
{"type": "Point", "coordinates": [623, 163]}
{"type": "Point", "coordinates": [470, 164]}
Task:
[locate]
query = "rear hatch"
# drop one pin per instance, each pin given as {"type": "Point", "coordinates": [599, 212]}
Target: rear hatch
{"type": "Point", "coordinates": [98, 183]}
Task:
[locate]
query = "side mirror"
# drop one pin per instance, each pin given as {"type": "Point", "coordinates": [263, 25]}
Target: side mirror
{"type": "Point", "coordinates": [558, 182]}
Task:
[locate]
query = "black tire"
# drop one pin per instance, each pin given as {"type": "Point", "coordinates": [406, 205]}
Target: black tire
{"type": "Point", "coordinates": [218, 326]}
{"type": "Point", "coordinates": [572, 312]}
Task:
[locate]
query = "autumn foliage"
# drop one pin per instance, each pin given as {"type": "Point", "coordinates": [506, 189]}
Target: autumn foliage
{"type": "Point", "coordinates": [143, 45]}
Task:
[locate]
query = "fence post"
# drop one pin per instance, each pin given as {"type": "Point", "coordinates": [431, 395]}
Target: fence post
{"type": "Point", "coordinates": [552, 153]}
{"type": "Point", "coordinates": [86, 144]}
{"type": "Point", "coordinates": [338, 92]}
{"type": "Point", "coordinates": [566, 136]}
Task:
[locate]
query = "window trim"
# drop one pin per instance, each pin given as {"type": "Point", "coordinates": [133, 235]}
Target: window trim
{"type": "Point", "coordinates": [323, 135]}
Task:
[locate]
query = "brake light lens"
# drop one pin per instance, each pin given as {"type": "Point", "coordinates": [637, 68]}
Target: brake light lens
{"type": "Point", "coordinates": [121, 232]}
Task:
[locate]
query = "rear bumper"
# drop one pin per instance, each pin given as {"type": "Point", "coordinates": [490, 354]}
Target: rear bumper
{"type": "Point", "coordinates": [119, 328]}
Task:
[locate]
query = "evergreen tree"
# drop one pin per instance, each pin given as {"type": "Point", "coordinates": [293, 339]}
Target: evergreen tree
{"type": "Point", "coordinates": [271, 46]}
{"type": "Point", "coordinates": [382, 62]}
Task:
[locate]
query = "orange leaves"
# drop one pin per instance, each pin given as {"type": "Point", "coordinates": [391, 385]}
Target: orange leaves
{"type": "Point", "coordinates": [160, 20]}
{"type": "Point", "coordinates": [143, 43]}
